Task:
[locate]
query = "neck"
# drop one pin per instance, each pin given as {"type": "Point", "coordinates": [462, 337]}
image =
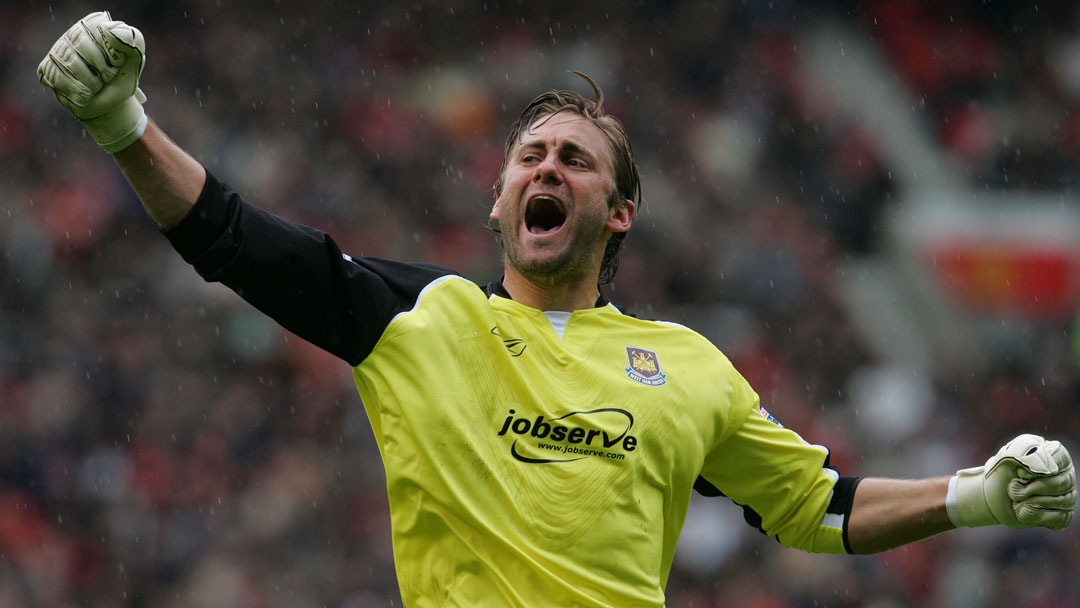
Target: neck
{"type": "Point", "coordinates": [570, 296]}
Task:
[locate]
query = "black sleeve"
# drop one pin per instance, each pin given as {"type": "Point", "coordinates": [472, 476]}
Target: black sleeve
{"type": "Point", "coordinates": [296, 274]}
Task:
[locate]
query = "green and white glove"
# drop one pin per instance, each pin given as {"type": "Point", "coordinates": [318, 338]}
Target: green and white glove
{"type": "Point", "coordinates": [1029, 482]}
{"type": "Point", "coordinates": [94, 69]}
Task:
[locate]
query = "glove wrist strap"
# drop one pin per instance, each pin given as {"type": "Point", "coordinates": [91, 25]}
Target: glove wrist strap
{"type": "Point", "coordinates": [966, 500]}
{"type": "Point", "coordinates": [119, 128]}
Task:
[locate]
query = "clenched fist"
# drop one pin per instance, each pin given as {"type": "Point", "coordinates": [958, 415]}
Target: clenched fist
{"type": "Point", "coordinates": [1029, 482]}
{"type": "Point", "coordinates": [94, 69]}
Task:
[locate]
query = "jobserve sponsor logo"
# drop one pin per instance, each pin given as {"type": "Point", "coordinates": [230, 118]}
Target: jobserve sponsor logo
{"type": "Point", "coordinates": [598, 433]}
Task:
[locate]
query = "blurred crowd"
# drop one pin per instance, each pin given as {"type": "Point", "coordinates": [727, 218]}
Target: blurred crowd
{"type": "Point", "coordinates": [162, 444]}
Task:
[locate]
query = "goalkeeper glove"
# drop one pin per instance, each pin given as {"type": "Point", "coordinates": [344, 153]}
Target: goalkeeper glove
{"type": "Point", "coordinates": [94, 69]}
{"type": "Point", "coordinates": [1029, 482]}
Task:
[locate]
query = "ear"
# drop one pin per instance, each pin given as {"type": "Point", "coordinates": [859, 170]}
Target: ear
{"type": "Point", "coordinates": [495, 207]}
{"type": "Point", "coordinates": [622, 216]}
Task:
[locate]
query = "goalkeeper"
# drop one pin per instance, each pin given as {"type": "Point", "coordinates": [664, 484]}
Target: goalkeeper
{"type": "Point", "coordinates": [540, 445]}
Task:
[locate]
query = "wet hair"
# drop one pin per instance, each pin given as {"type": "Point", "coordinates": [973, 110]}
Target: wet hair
{"type": "Point", "coordinates": [627, 181]}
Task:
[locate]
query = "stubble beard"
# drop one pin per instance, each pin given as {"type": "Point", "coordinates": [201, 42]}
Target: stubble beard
{"type": "Point", "coordinates": [573, 263]}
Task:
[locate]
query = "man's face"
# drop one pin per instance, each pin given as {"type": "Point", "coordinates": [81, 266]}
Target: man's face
{"type": "Point", "coordinates": [553, 208]}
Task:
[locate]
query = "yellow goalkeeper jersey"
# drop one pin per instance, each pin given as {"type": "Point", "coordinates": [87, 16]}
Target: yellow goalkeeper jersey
{"type": "Point", "coordinates": [528, 463]}
{"type": "Point", "coordinates": [526, 468]}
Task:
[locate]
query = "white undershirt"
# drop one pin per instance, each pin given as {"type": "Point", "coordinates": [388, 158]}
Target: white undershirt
{"type": "Point", "coordinates": [558, 320]}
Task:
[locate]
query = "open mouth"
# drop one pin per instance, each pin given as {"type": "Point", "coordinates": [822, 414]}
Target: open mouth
{"type": "Point", "coordinates": [544, 214]}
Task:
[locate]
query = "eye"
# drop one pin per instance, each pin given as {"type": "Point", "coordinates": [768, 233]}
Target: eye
{"type": "Point", "coordinates": [573, 162]}
{"type": "Point", "coordinates": [529, 158]}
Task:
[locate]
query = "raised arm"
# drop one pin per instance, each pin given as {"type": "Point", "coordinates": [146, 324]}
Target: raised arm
{"type": "Point", "coordinates": [1029, 482]}
{"type": "Point", "coordinates": [93, 70]}
{"type": "Point", "coordinates": [295, 274]}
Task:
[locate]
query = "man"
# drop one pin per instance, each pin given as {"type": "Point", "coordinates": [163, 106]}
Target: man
{"type": "Point", "coordinates": [540, 446]}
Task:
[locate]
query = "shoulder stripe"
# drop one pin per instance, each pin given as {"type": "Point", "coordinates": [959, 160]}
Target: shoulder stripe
{"type": "Point", "coordinates": [673, 324]}
{"type": "Point", "coordinates": [656, 321]}
{"type": "Point", "coordinates": [423, 292]}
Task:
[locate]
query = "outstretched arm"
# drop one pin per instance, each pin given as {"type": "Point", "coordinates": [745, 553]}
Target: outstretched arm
{"type": "Point", "coordinates": [888, 513]}
{"type": "Point", "coordinates": [1029, 482]}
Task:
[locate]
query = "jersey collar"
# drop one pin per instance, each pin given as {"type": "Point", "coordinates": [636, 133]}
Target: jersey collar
{"type": "Point", "coordinates": [496, 288]}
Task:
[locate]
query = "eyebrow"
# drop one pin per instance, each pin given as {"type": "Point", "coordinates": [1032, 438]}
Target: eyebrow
{"type": "Point", "coordinates": [566, 146]}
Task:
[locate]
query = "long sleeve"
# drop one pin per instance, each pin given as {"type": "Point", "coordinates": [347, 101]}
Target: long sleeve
{"type": "Point", "coordinates": [784, 484]}
{"type": "Point", "coordinates": [296, 274]}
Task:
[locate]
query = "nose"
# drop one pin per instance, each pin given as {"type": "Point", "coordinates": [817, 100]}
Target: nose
{"type": "Point", "coordinates": [547, 172]}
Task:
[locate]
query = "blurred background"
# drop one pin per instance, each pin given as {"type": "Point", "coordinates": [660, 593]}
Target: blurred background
{"type": "Point", "coordinates": [871, 207]}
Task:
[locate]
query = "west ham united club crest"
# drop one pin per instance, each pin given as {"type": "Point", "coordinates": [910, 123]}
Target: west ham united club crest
{"type": "Point", "coordinates": [644, 367]}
